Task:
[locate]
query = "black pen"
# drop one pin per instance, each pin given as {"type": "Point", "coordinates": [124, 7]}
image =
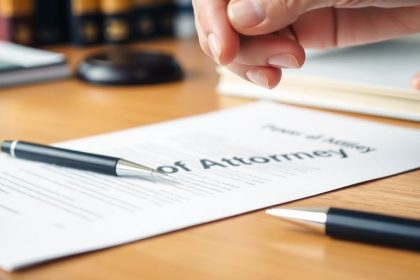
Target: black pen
{"type": "Point", "coordinates": [78, 160]}
{"type": "Point", "coordinates": [356, 225]}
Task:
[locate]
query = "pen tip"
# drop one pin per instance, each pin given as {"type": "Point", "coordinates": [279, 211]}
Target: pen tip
{"type": "Point", "coordinates": [303, 214]}
{"type": "Point", "coordinates": [314, 218]}
{"type": "Point", "coordinates": [275, 211]}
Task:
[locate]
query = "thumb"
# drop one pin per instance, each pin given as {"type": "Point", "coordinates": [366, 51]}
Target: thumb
{"type": "Point", "coordinates": [256, 17]}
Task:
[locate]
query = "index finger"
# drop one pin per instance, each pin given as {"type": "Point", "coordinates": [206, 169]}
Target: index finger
{"type": "Point", "coordinates": [215, 29]}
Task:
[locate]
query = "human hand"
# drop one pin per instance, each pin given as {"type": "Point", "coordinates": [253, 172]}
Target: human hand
{"type": "Point", "coordinates": [256, 38]}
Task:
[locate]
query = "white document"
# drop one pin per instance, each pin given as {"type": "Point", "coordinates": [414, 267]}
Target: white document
{"type": "Point", "coordinates": [355, 79]}
{"type": "Point", "coordinates": [367, 65]}
{"type": "Point", "coordinates": [220, 164]}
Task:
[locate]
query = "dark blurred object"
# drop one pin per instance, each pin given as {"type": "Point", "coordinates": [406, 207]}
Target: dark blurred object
{"type": "Point", "coordinates": [122, 66]}
{"type": "Point", "coordinates": [145, 23]}
{"type": "Point", "coordinates": [51, 22]}
{"type": "Point", "coordinates": [17, 21]}
{"type": "Point", "coordinates": [117, 20]}
{"type": "Point", "coordinates": [153, 18]}
{"type": "Point", "coordinates": [90, 22]}
{"type": "Point", "coordinates": [85, 22]}
{"type": "Point", "coordinates": [165, 18]}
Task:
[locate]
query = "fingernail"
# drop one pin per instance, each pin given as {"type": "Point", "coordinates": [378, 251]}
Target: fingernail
{"type": "Point", "coordinates": [214, 46]}
{"type": "Point", "coordinates": [247, 13]}
{"type": "Point", "coordinates": [258, 78]}
{"type": "Point", "coordinates": [284, 60]}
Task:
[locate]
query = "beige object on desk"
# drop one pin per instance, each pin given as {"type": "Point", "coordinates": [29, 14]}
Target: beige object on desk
{"type": "Point", "coordinates": [251, 246]}
{"type": "Point", "coordinates": [372, 79]}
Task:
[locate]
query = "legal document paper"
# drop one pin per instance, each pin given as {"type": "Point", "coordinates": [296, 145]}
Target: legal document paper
{"type": "Point", "coordinates": [219, 164]}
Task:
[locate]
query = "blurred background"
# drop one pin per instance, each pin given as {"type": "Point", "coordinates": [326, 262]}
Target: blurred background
{"type": "Point", "coordinates": [90, 22]}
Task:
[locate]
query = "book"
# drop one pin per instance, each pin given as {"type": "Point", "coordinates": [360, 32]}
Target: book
{"type": "Point", "coordinates": [51, 22]}
{"type": "Point", "coordinates": [372, 79]}
{"type": "Point", "coordinates": [146, 19]}
{"type": "Point", "coordinates": [17, 21]}
{"type": "Point", "coordinates": [85, 22]}
{"type": "Point", "coordinates": [20, 65]}
{"type": "Point", "coordinates": [164, 18]}
{"type": "Point", "coordinates": [153, 18]}
{"type": "Point", "coordinates": [117, 20]}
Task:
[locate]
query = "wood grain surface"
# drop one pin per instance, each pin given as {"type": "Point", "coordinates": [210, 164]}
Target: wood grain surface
{"type": "Point", "coordinates": [249, 246]}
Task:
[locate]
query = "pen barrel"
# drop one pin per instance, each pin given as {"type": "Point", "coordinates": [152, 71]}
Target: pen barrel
{"type": "Point", "coordinates": [62, 157]}
{"type": "Point", "coordinates": [373, 228]}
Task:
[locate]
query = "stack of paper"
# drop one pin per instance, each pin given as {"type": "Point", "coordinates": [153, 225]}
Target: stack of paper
{"type": "Point", "coordinates": [372, 79]}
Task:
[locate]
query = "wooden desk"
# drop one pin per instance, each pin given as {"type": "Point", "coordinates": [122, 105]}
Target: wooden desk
{"type": "Point", "coordinates": [250, 246]}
